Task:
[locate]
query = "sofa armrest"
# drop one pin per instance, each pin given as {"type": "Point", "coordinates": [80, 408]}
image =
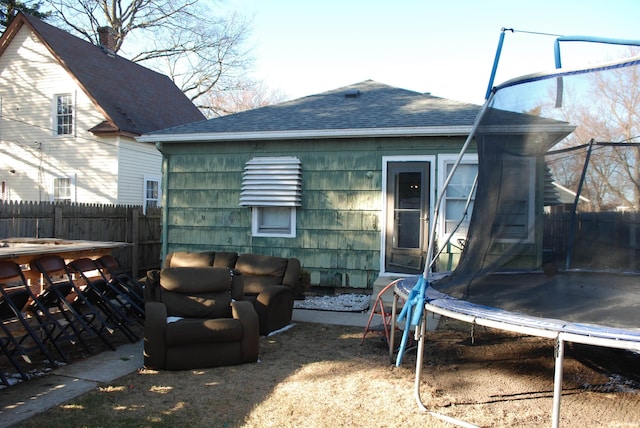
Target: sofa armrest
{"type": "Point", "coordinates": [269, 295]}
{"type": "Point", "coordinates": [246, 314]}
{"type": "Point", "coordinates": [274, 305]}
{"type": "Point", "coordinates": [155, 324]}
{"type": "Point", "coordinates": [151, 284]}
{"type": "Point", "coordinates": [292, 274]}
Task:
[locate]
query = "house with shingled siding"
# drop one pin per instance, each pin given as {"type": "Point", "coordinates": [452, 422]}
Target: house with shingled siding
{"type": "Point", "coordinates": [70, 112]}
{"type": "Point", "coordinates": [346, 181]}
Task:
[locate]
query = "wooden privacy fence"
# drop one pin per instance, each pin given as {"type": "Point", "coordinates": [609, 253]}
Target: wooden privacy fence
{"type": "Point", "coordinates": [601, 240]}
{"type": "Point", "coordinates": [120, 223]}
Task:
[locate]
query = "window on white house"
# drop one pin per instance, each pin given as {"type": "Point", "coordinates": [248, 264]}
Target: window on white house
{"type": "Point", "coordinates": [272, 187]}
{"type": "Point", "coordinates": [64, 114]}
{"type": "Point", "coordinates": [63, 189]}
{"type": "Point", "coordinates": [5, 191]}
{"type": "Point", "coordinates": [151, 193]}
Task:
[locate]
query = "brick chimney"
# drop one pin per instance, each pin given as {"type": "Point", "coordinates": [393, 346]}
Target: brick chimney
{"type": "Point", "coordinates": [107, 38]}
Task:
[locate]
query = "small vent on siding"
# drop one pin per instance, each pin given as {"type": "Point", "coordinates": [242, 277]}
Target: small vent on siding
{"type": "Point", "coordinates": [272, 182]}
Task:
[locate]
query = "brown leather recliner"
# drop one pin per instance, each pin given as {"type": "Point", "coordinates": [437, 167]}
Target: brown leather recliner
{"type": "Point", "coordinates": [269, 284]}
{"type": "Point", "coordinates": [210, 324]}
{"type": "Point", "coordinates": [269, 281]}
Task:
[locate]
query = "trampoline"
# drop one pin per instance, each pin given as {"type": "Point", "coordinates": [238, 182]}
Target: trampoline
{"type": "Point", "coordinates": [553, 243]}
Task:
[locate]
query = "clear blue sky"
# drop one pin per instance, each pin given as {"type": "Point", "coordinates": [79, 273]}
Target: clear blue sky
{"type": "Point", "coordinates": [446, 47]}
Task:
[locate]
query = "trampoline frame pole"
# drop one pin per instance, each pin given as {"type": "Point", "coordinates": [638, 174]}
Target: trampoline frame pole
{"type": "Point", "coordinates": [557, 382]}
{"type": "Point", "coordinates": [422, 328]}
{"type": "Point", "coordinates": [436, 211]}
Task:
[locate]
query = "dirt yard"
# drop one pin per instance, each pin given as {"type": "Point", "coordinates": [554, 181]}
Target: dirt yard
{"type": "Point", "coordinates": [320, 376]}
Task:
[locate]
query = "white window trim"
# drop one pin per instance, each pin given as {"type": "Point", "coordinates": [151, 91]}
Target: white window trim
{"type": "Point", "coordinates": [383, 199]}
{"type": "Point", "coordinates": [54, 114]}
{"type": "Point", "coordinates": [443, 161]}
{"type": "Point", "coordinates": [272, 182]}
{"type": "Point", "coordinates": [4, 190]}
{"type": "Point", "coordinates": [146, 178]}
{"type": "Point", "coordinates": [255, 227]}
{"type": "Point", "coordinates": [530, 208]}
{"type": "Point", "coordinates": [72, 180]}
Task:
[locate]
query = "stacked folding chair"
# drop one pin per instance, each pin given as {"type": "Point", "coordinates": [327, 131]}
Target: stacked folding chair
{"type": "Point", "coordinates": [104, 295]}
{"type": "Point", "coordinates": [129, 289]}
{"type": "Point", "coordinates": [62, 293]}
{"type": "Point", "coordinates": [25, 332]}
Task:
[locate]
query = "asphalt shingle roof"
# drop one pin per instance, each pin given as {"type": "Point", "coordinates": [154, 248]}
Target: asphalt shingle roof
{"type": "Point", "coordinates": [136, 99]}
{"type": "Point", "coordinates": [364, 105]}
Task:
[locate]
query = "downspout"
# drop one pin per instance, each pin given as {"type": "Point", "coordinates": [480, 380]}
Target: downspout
{"type": "Point", "coordinates": [164, 186]}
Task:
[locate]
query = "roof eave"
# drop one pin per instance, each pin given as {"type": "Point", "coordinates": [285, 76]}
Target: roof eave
{"type": "Point", "coordinates": [310, 134]}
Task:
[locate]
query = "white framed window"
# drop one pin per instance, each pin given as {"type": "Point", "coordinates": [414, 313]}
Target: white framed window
{"type": "Point", "coordinates": [274, 222]}
{"type": "Point", "coordinates": [63, 189]}
{"type": "Point", "coordinates": [272, 187]}
{"type": "Point", "coordinates": [152, 192]}
{"type": "Point", "coordinates": [63, 110]}
{"type": "Point", "coordinates": [454, 202]}
{"type": "Point", "coordinates": [4, 191]}
{"type": "Point", "coordinates": [517, 208]}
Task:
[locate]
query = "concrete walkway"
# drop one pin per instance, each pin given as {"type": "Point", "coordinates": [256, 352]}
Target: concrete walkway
{"type": "Point", "coordinates": [22, 401]}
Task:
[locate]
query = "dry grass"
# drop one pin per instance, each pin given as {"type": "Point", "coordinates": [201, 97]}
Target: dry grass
{"type": "Point", "coordinates": [319, 376]}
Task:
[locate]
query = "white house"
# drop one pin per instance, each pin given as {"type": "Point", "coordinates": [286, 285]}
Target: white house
{"type": "Point", "coordinates": [69, 115]}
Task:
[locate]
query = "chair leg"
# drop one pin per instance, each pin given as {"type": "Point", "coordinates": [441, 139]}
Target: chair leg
{"type": "Point", "coordinates": [10, 347]}
{"type": "Point", "coordinates": [113, 314]}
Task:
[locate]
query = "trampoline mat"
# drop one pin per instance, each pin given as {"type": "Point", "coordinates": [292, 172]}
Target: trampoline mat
{"type": "Point", "coordinates": [593, 304]}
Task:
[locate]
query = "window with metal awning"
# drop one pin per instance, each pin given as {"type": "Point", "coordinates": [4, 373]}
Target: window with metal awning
{"type": "Point", "coordinates": [272, 187]}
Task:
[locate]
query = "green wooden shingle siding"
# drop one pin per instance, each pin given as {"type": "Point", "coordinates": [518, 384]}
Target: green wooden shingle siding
{"type": "Point", "coordinates": [338, 225]}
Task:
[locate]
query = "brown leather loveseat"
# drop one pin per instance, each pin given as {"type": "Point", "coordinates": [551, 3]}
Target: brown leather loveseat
{"type": "Point", "coordinates": [269, 281]}
{"type": "Point", "coordinates": [196, 317]}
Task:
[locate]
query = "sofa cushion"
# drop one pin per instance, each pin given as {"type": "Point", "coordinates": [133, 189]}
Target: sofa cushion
{"type": "Point", "coordinates": [195, 280]}
{"type": "Point", "coordinates": [201, 259]}
{"type": "Point", "coordinates": [189, 331]}
{"type": "Point", "coordinates": [199, 292]}
{"type": "Point", "coordinates": [225, 259]}
{"type": "Point", "coordinates": [189, 259]}
{"type": "Point", "coordinates": [255, 264]}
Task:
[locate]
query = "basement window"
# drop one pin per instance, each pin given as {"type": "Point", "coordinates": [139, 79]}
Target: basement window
{"type": "Point", "coordinates": [272, 188]}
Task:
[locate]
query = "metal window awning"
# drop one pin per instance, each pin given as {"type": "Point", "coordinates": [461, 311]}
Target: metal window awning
{"type": "Point", "coordinates": [272, 182]}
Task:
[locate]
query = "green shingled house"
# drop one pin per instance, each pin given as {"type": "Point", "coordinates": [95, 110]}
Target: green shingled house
{"type": "Point", "coordinates": [345, 180]}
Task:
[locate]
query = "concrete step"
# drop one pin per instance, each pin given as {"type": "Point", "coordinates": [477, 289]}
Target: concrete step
{"type": "Point", "coordinates": [379, 284]}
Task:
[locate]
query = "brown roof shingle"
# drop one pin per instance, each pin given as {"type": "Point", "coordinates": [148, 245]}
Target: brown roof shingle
{"type": "Point", "coordinates": [135, 99]}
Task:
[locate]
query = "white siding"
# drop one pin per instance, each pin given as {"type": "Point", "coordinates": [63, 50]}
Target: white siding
{"type": "Point", "coordinates": [31, 78]}
{"type": "Point", "coordinates": [136, 161]}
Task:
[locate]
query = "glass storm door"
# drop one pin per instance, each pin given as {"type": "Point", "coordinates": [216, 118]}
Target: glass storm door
{"type": "Point", "coordinates": [407, 225]}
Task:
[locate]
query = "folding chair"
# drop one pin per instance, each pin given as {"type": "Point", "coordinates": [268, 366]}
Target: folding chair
{"type": "Point", "coordinates": [100, 293]}
{"type": "Point", "coordinates": [61, 292]}
{"type": "Point", "coordinates": [132, 290]}
{"type": "Point", "coordinates": [384, 311]}
{"type": "Point", "coordinates": [17, 296]}
{"type": "Point", "coordinates": [11, 341]}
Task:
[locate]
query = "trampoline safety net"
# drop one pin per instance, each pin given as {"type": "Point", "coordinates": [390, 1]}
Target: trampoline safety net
{"type": "Point", "coordinates": [555, 227]}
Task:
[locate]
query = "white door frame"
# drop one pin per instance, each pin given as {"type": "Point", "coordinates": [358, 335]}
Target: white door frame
{"type": "Point", "coordinates": [383, 199]}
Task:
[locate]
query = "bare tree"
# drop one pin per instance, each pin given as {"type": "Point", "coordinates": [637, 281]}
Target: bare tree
{"type": "Point", "coordinates": [610, 115]}
{"type": "Point", "coordinates": [245, 95]}
{"type": "Point", "coordinates": [184, 39]}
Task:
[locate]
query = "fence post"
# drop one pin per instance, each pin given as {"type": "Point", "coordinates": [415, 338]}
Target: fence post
{"type": "Point", "coordinates": [57, 222]}
{"type": "Point", "coordinates": [135, 238]}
